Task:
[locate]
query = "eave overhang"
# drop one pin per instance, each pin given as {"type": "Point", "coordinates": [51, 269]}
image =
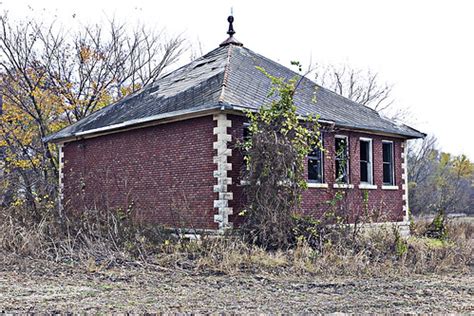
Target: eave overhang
{"type": "Point", "coordinates": [199, 112]}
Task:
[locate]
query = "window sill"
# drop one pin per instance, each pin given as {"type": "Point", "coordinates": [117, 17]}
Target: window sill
{"type": "Point", "coordinates": [343, 186]}
{"type": "Point", "coordinates": [389, 187]}
{"type": "Point", "coordinates": [317, 185]}
{"type": "Point", "coordinates": [367, 186]}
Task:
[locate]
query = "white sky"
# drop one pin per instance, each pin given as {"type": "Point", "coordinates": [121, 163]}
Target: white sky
{"type": "Point", "coordinates": [425, 48]}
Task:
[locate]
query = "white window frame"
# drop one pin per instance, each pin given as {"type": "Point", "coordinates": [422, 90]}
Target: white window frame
{"type": "Point", "coordinates": [347, 158]}
{"type": "Point", "coordinates": [393, 184]}
{"type": "Point", "coordinates": [370, 163]}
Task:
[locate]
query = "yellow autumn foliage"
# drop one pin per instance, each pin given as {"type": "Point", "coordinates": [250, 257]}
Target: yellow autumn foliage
{"type": "Point", "coordinates": [30, 115]}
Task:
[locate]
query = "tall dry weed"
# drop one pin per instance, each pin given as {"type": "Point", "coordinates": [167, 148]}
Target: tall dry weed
{"type": "Point", "coordinates": [98, 239]}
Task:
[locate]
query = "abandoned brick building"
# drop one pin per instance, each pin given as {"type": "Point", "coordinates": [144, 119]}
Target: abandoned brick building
{"type": "Point", "coordinates": [168, 151]}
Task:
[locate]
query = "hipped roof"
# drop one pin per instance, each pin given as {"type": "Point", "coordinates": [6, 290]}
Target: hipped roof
{"type": "Point", "coordinates": [227, 78]}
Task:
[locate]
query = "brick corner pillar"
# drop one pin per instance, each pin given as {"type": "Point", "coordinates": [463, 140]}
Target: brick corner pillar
{"type": "Point", "coordinates": [61, 176]}
{"type": "Point", "coordinates": [406, 213]}
{"type": "Point", "coordinates": [220, 173]}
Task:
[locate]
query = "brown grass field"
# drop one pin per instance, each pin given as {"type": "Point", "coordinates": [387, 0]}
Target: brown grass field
{"type": "Point", "coordinates": [227, 276]}
{"type": "Point", "coordinates": [43, 287]}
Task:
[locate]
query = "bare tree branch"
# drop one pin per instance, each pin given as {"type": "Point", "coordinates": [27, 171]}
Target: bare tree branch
{"type": "Point", "coordinates": [51, 77]}
{"type": "Point", "coordinates": [359, 86]}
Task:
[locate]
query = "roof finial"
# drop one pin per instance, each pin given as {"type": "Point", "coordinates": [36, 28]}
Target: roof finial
{"type": "Point", "coordinates": [231, 32]}
{"type": "Point", "coordinates": [230, 19]}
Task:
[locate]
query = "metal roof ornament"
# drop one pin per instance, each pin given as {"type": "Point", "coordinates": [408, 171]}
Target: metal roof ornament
{"type": "Point", "coordinates": [231, 40]}
{"type": "Point", "coordinates": [231, 31]}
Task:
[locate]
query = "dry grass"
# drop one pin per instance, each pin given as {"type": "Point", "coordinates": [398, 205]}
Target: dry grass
{"type": "Point", "coordinates": [105, 264]}
{"type": "Point", "coordinates": [102, 242]}
{"type": "Point", "coordinates": [226, 275]}
{"type": "Point", "coordinates": [103, 236]}
{"type": "Point", "coordinates": [375, 254]}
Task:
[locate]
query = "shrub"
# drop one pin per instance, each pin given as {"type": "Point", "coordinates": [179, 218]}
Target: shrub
{"type": "Point", "coordinates": [437, 228]}
{"type": "Point", "coordinates": [274, 153]}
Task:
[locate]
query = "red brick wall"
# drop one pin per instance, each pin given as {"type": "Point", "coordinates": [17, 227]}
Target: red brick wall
{"type": "Point", "coordinates": [237, 161]}
{"type": "Point", "coordinates": [382, 204]}
{"type": "Point", "coordinates": [166, 171]}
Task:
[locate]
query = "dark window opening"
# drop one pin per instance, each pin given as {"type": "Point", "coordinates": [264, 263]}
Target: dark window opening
{"type": "Point", "coordinates": [315, 166]}
{"type": "Point", "coordinates": [387, 148]}
{"type": "Point", "coordinates": [342, 162]}
{"type": "Point", "coordinates": [366, 161]}
{"type": "Point", "coordinates": [246, 132]}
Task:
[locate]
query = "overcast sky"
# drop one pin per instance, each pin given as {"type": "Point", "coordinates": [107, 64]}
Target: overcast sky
{"type": "Point", "coordinates": [425, 48]}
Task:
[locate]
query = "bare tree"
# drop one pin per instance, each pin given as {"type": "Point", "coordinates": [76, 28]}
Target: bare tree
{"type": "Point", "coordinates": [438, 181]}
{"type": "Point", "coordinates": [421, 166]}
{"type": "Point", "coordinates": [51, 77]}
{"type": "Point", "coordinates": [109, 59]}
{"type": "Point", "coordinates": [420, 153]}
{"type": "Point", "coordinates": [360, 86]}
{"type": "Point", "coordinates": [196, 50]}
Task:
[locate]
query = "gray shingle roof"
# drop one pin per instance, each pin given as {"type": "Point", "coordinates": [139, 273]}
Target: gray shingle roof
{"type": "Point", "coordinates": [227, 77]}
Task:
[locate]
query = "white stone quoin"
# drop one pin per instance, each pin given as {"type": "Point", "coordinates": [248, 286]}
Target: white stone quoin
{"type": "Point", "coordinates": [61, 175]}
{"type": "Point", "coordinates": [405, 229]}
{"type": "Point", "coordinates": [220, 173]}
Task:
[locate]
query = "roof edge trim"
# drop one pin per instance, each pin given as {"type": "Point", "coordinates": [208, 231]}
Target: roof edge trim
{"type": "Point", "coordinates": [137, 123]}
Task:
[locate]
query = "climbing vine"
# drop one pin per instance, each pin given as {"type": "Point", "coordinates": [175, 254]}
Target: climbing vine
{"type": "Point", "coordinates": [275, 151]}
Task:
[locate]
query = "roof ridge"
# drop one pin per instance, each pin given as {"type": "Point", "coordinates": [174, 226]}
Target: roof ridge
{"type": "Point", "coordinates": [226, 73]}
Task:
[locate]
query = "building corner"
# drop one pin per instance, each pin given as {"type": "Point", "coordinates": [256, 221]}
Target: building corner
{"type": "Point", "coordinates": [222, 152]}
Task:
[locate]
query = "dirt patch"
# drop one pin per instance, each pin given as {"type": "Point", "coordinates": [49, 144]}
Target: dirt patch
{"type": "Point", "coordinates": [60, 288]}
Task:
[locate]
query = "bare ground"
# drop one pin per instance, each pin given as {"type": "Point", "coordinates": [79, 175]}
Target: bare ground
{"type": "Point", "coordinates": [59, 288]}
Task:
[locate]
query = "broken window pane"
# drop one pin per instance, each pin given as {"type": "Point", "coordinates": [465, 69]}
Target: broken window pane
{"type": "Point", "coordinates": [342, 162]}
